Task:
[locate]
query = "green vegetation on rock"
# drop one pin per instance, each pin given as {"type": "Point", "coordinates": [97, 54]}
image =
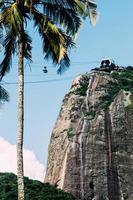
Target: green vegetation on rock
{"type": "Point", "coordinates": [112, 91]}
{"type": "Point", "coordinates": [82, 89]}
{"type": "Point", "coordinates": [90, 115]}
{"type": "Point", "coordinates": [34, 190]}
{"type": "Point", "coordinates": [124, 82]}
{"type": "Point", "coordinates": [70, 133]}
{"type": "Point", "coordinates": [125, 79]}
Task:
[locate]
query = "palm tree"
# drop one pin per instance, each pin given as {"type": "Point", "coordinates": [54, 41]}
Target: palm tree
{"type": "Point", "coordinates": [4, 96]}
{"type": "Point", "coordinates": [57, 22]}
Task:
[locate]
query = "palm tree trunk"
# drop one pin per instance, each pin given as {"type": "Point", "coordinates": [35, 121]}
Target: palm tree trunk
{"type": "Point", "coordinates": [20, 170]}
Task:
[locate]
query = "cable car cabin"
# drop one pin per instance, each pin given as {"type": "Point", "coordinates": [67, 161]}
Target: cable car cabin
{"type": "Point", "coordinates": [45, 70]}
{"type": "Point", "coordinates": [107, 64]}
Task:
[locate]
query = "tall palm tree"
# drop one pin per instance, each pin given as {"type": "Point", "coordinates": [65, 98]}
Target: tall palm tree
{"type": "Point", "coordinates": [57, 22]}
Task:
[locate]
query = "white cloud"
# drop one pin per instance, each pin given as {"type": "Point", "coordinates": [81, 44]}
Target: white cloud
{"type": "Point", "coordinates": [32, 167]}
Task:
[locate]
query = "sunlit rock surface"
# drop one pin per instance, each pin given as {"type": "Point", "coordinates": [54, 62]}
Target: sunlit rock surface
{"type": "Point", "coordinates": [91, 148]}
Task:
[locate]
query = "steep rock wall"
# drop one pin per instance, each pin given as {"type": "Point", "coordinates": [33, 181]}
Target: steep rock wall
{"type": "Point", "coordinates": [91, 147]}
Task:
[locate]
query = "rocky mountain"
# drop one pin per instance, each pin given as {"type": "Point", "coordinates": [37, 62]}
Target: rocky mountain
{"type": "Point", "coordinates": [91, 148]}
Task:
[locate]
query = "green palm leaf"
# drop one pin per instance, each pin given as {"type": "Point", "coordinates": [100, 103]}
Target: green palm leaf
{"type": "Point", "coordinates": [88, 9]}
{"type": "Point", "coordinates": [65, 17]}
{"type": "Point", "coordinates": [26, 40]}
{"type": "Point", "coordinates": [10, 46]}
{"type": "Point", "coordinates": [55, 41]}
{"type": "Point", "coordinates": [4, 96]}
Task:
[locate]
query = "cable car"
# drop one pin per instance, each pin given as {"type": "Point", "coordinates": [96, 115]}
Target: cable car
{"type": "Point", "coordinates": [45, 70]}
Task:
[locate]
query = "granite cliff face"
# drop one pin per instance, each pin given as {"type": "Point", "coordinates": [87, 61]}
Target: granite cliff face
{"type": "Point", "coordinates": [91, 148]}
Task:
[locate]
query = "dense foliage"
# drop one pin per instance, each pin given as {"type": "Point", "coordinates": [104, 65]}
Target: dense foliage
{"type": "Point", "coordinates": [125, 79]}
{"type": "Point", "coordinates": [34, 190]}
{"type": "Point", "coordinates": [83, 87]}
{"type": "Point", "coordinates": [124, 82]}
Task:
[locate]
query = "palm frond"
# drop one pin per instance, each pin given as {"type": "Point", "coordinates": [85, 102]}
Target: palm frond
{"type": "Point", "coordinates": [16, 19]}
{"type": "Point", "coordinates": [5, 16]}
{"type": "Point", "coordinates": [1, 36]}
{"type": "Point", "coordinates": [10, 46]}
{"type": "Point", "coordinates": [54, 39]}
{"type": "Point", "coordinates": [63, 16]}
{"type": "Point", "coordinates": [65, 62]}
{"type": "Point", "coordinates": [94, 16]}
{"type": "Point", "coordinates": [26, 41]}
{"type": "Point", "coordinates": [13, 18]}
{"type": "Point", "coordinates": [87, 9]}
{"type": "Point", "coordinates": [4, 95]}
{"type": "Point", "coordinates": [28, 3]}
{"type": "Point", "coordinates": [2, 4]}
{"type": "Point", "coordinates": [68, 4]}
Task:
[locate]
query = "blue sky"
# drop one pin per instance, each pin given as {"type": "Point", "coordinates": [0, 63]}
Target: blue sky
{"type": "Point", "coordinates": [112, 37]}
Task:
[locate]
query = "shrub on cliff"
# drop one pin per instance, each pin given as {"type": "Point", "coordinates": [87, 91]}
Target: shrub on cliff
{"type": "Point", "coordinates": [34, 190]}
